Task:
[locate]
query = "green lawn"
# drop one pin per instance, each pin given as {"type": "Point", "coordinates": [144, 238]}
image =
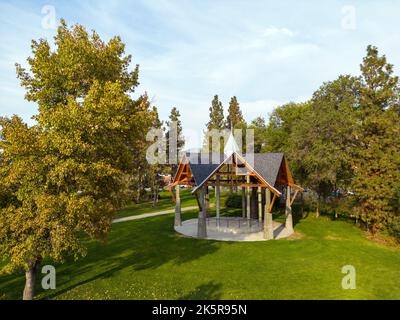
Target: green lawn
{"type": "Point", "coordinates": [165, 202]}
{"type": "Point", "coordinates": [146, 259]}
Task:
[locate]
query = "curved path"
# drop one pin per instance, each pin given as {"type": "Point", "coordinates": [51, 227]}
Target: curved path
{"type": "Point", "coordinates": [153, 214]}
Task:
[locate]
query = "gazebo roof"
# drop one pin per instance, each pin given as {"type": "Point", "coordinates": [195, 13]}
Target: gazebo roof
{"type": "Point", "coordinates": [272, 168]}
{"type": "Point", "coordinates": [267, 165]}
{"type": "Point", "coordinates": [202, 165]}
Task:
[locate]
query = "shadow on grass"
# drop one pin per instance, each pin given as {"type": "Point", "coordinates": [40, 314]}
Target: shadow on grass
{"type": "Point", "coordinates": [139, 245]}
{"type": "Point", "coordinates": [208, 291]}
{"type": "Point", "coordinates": [9, 284]}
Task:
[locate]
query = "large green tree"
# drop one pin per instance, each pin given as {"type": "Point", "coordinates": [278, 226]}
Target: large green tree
{"type": "Point", "coordinates": [347, 137]}
{"type": "Point", "coordinates": [280, 126]}
{"type": "Point", "coordinates": [70, 172]}
{"type": "Point", "coordinates": [153, 172]}
{"type": "Point", "coordinates": [376, 159]}
{"type": "Point", "coordinates": [279, 137]}
{"type": "Point", "coordinates": [142, 169]}
{"type": "Point", "coordinates": [260, 133]}
{"type": "Point", "coordinates": [321, 140]}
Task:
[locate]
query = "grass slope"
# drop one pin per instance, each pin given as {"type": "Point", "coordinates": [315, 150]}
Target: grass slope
{"type": "Point", "coordinates": [146, 259]}
{"type": "Point", "coordinates": [165, 202]}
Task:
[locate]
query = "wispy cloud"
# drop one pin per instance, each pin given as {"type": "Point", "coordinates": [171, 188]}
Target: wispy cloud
{"type": "Point", "coordinates": [266, 53]}
{"type": "Point", "coordinates": [274, 31]}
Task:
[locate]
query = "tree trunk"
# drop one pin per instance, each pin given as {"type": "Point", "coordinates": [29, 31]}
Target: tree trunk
{"type": "Point", "coordinates": [301, 205]}
{"type": "Point", "coordinates": [155, 197]}
{"type": "Point", "coordinates": [30, 279]}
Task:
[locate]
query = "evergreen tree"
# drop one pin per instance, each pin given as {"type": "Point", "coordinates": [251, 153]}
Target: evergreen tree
{"type": "Point", "coordinates": [216, 123]}
{"type": "Point", "coordinates": [174, 119]}
{"type": "Point", "coordinates": [235, 119]}
{"type": "Point", "coordinates": [376, 158]}
{"type": "Point", "coordinates": [216, 115]}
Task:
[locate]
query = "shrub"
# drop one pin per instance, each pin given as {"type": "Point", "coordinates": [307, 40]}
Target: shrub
{"type": "Point", "coordinates": [234, 200]}
{"type": "Point", "coordinates": [394, 227]}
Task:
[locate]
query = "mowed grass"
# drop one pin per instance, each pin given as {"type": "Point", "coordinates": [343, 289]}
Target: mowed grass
{"type": "Point", "coordinates": [165, 202]}
{"type": "Point", "coordinates": [146, 259]}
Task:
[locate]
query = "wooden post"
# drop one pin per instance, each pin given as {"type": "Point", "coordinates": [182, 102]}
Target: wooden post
{"type": "Point", "coordinates": [288, 212]}
{"type": "Point", "coordinates": [253, 203]}
{"type": "Point", "coordinates": [217, 197]}
{"type": "Point", "coordinates": [268, 223]}
{"type": "Point", "coordinates": [202, 222]}
{"type": "Point", "coordinates": [248, 198]}
{"type": "Point", "coordinates": [178, 221]}
{"type": "Point", "coordinates": [243, 202]}
{"type": "Point", "coordinates": [259, 204]}
{"type": "Point", "coordinates": [207, 202]}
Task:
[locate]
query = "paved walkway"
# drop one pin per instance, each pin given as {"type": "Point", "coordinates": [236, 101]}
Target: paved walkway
{"type": "Point", "coordinates": [153, 214]}
{"type": "Point", "coordinates": [189, 228]}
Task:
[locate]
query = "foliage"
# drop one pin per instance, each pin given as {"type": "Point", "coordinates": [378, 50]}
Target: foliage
{"type": "Point", "coordinates": [146, 175]}
{"type": "Point", "coordinates": [280, 126]}
{"type": "Point", "coordinates": [346, 139]}
{"type": "Point", "coordinates": [70, 172]}
{"type": "Point", "coordinates": [278, 135]}
{"type": "Point", "coordinates": [234, 118]}
{"type": "Point", "coordinates": [376, 158]}
{"type": "Point", "coordinates": [394, 227]}
{"type": "Point", "coordinates": [215, 124]}
{"type": "Point", "coordinates": [217, 120]}
{"type": "Point", "coordinates": [234, 200]}
{"type": "Point", "coordinates": [174, 120]}
{"type": "Point", "coordinates": [322, 138]}
{"type": "Point", "coordinates": [260, 133]}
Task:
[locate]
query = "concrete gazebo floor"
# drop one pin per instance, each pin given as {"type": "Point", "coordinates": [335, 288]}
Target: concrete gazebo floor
{"type": "Point", "coordinates": [189, 228]}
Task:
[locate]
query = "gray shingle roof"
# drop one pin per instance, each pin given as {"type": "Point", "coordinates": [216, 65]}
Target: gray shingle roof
{"type": "Point", "coordinates": [267, 165]}
{"type": "Point", "coordinates": [202, 165]}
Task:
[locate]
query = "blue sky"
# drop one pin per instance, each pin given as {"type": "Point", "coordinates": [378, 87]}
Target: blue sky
{"type": "Point", "coordinates": [265, 52]}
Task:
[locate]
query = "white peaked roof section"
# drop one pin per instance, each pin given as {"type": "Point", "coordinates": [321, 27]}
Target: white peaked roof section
{"type": "Point", "coordinates": [231, 146]}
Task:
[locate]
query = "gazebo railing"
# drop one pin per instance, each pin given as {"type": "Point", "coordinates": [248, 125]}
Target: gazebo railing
{"type": "Point", "coordinates": [234, 224]}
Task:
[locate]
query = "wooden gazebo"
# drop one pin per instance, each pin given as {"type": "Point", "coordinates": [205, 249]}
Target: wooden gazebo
{"type": "Point", "coordinates": [263, 177]}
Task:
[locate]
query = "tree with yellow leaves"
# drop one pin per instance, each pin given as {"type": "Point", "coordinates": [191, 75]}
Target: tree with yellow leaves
{"type": "Point", "coordinates": [69, 173]}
